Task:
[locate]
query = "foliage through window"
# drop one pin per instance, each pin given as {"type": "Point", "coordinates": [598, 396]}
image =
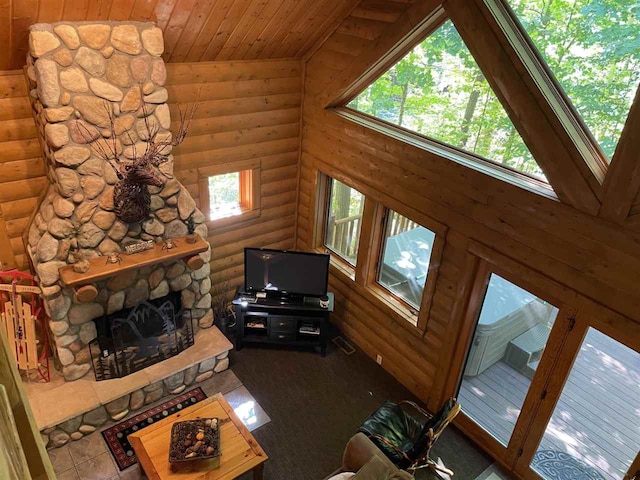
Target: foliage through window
{"type": "Point", "coordinates": [439, 91]}
{"type": "Point", "coordinates": [404, 263]}
{"type": "Point", "coordinates": [344, 220]}
{"type": "Point", "coordinates": [225, 195]}
{"type": "Point", "coordinates": [593, 49]}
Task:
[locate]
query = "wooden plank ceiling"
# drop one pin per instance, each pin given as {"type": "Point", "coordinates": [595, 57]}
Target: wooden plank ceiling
{"type": "Point", "coordinates": [195, 30]}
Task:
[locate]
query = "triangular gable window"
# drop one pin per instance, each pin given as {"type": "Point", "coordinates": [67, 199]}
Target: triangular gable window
{"type": "Point", "coordinates": [438, 90]}
{"type": "Point", "coordinates": [592, 47]}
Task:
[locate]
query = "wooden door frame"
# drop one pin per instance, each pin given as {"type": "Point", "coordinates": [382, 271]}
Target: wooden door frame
{"type": "Point", "coordinates": [482, 263]}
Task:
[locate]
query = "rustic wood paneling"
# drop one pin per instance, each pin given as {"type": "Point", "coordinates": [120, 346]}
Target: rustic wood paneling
{"type": "Point", "coordinates": [21, 167]}
{"type": "Point", "coordinates": [195, 30]}
{"type": "Point", "coordinates": [594, 259]}
{"type": "Point", "coordinates": [249, 110]}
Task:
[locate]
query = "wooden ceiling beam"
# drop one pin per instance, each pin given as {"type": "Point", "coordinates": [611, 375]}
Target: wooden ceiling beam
{"type": "Point", "coordinates": [622, 183]}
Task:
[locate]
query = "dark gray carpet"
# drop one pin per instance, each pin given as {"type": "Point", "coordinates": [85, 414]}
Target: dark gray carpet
{"type": "Point", "coordinates": [316, 404]}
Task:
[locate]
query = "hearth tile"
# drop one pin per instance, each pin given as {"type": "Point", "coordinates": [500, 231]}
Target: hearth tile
{"type": "Point", "coordinates": [247, 408]}
{"type": "Point", "coordinates": [36, 385]}
{"type": "Point", "coordinates": [211, 342]}
{"type": "Point", "coordinates": [109, 390]}
{"type": "Point", "coordinates": [61, 459]}
{"type": "Point", "coordinates": [87, 448]}
{"type": "Point", "coordinates": [98, 468]}
{"type": "Point", "coordinates": [70, 474]}
{"type": "Point", "coordinates": [208, 343]}
{"type": "Point", "coordinates": [222, 382]}
{"type": "Point", "coordinates": [64, 402]}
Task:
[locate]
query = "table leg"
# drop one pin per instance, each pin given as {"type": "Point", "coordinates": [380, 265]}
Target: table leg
{"type": "Point", "coordinates": [258, 471]}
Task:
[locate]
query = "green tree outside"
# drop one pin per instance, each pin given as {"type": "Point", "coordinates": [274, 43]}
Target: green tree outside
{"type": "Point", "coordinates": [437, 89]}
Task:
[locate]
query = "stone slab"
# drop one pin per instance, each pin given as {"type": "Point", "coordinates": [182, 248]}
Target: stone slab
{"type": "Point", "coordinates": [58, 401]}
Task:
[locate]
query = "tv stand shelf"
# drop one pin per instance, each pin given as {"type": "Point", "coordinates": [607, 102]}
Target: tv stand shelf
{"type": "Point", "coordinates": [279, 322]}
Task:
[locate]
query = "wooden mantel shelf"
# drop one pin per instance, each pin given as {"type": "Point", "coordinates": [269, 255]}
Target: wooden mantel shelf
{"type": "Point", "coordinates": [99, 268]}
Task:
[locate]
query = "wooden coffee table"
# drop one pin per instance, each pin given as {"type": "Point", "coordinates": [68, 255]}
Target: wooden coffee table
{"type": "Point", "coordinates": [240, 451]}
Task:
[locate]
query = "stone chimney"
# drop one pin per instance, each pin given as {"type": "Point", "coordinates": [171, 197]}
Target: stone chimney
{"type": "Point", "coordinates": [93, 83]}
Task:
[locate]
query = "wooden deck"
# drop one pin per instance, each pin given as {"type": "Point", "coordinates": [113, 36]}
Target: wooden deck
{"type": "Point", "coordinates": [597, 419]}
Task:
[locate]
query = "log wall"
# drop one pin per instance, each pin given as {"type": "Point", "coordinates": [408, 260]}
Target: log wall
{"type": "Point", "coordinates": [593, 259]}
{"type": "Point", "coordinates": [249, 110]}
{"type": "Point", "coordinates": [21, 167]}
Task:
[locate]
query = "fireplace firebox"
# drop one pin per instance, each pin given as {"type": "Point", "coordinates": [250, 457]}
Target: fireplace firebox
{"type": "Point", "coordinates": [135, 338]}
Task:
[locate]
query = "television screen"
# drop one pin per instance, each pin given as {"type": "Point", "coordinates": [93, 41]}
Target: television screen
{"type": "Point", "coordinates": [298, 273]}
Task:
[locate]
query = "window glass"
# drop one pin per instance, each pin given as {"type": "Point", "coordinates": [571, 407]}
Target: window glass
{"type": "Point", "coordinates": [344, 220]}
{"type": "Point", "coordinates": [224, 195]}
{"type": "Point", "coordinates": [510, 337]}
{"type": "Point", "coordinates": [592, 47]}
{"type": "Point", "coordinates": [594, 431]}
{"type": "Point", "coordinates": [438, 90]}
{"type": "Point", "coordinates": [406, 253]}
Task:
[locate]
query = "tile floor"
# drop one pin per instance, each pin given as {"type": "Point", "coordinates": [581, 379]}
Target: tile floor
{"type": "Point", "coordinates": [90, 459]}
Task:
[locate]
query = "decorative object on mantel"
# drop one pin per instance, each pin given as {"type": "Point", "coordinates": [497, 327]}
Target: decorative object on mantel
{"type": "Point", "coordinates": [131, 197]}
{"type": "Point", "coordinates": [21, 313]}
{"type": "Point", "coordinates": [191, 228]}
{"type": "Point", "coordinates": [158, 254]}
{"type": "Point", "coordinates": [169, 244]}
{"type": "Point", "coordinates": [139, 247]}
{"type": "Point", "coordinates": [114, 258]}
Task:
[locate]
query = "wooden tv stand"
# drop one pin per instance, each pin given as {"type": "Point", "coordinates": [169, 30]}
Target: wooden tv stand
{"type": "Point", "coordinates": [269, 321]}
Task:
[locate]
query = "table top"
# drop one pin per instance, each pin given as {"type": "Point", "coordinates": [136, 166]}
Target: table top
{"type": "Point", "coordinates": [240, 452]}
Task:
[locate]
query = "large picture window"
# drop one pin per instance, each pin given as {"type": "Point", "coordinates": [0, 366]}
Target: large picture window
{"type": "Point", "coordinates": [405, 257]}
{"type": "Point", "coordinates": [344, 220]}
{"type": "Point", "coordinates": [438, 90]}
{"type": "Point", "coordinates": [592, 49]}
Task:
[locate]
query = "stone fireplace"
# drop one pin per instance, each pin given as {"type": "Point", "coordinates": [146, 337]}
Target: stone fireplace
{"type": "Point", "coordinates": [93, 83]}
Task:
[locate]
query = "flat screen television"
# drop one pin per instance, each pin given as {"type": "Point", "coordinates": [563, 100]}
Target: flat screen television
{"type": "Point", "coordinates": [285, 272]}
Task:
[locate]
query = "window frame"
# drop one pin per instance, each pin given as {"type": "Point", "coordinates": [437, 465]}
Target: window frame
{"type": "Point", "coordinates": [323, 205]}
{"type": "Point", "coordinates": [380, 260]}
{"type": "Point", "coordinates": [249, 190]}
{"type": "Point", "coordinates": [576, 314]}
{"type": "Point", "coordinates": [364, 274]}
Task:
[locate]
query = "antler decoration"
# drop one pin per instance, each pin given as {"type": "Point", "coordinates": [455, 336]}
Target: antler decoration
{"type": "Point", "coordinates": [132, 201]}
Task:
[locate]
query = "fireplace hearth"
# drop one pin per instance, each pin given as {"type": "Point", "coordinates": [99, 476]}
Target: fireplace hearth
{"type": "Point", "coordinates": [135, 338]}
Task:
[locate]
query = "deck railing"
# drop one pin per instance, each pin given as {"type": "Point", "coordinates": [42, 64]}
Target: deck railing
{"type": "Point", "coordinates": [344, 233]}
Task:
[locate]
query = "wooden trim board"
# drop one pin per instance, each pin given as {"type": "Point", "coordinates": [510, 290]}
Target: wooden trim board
{"type": "Point", "coordinates": [100, 270]}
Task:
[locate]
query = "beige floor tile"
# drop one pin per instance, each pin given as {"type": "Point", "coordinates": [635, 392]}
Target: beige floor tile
{"type": "Point", "coordinates": [247, 408]}
{"type": "Point", "coordinates": [61, 459]}
{"type": "Point", "coordinates": [87, 448]}
{"type": "Point", "coordinates": [222, 382]}
{"type": "Point", "coordinates": [70, 474]}
{"type": "Point", "coordinates": [98, 468]}
{"type": "Point", "coordinates": [132, 473]}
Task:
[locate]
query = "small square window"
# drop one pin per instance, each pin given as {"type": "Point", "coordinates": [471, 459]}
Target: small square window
{"type": "Point", "coordinates": [405, 256]}
{"type": "Point", "coordinates": [224, 194]}
{"type": "Point", "coordinates": [344, 220]}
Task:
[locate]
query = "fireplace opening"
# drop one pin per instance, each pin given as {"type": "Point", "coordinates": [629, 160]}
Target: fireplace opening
{"type": "Point", "coordinates": [135, 338]}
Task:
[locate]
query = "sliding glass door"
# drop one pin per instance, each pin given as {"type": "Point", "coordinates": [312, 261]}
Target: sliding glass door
{"type": "Point", "coordinates": [594, 432]}
{"type": "Point", "coordinates": [511, 333]}
{"type": "Point", "coordinates": [550, 390]}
